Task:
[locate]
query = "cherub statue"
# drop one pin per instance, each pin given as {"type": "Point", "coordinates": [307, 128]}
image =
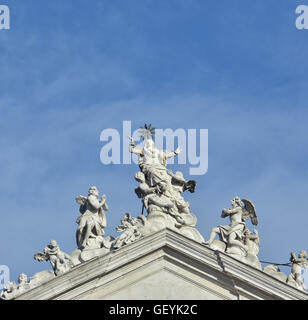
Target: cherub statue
{"type": "Point", "coordinates": [92, 221]}
{"type": "Point", "coordinates": [178, 186]}
{"type": "Point", "coordinates": [153, 198]}
{"type": "Point", "coordinates": [23, 283]}
{"type": "Point", "coordinates": [9, 291]}
{"type": "Point", "coordinates": [59, 260]}
{"type": "Point", "coordinates": [130, 228]}
{"type": "Point", "coordinates": [166, 196]}
{"type": "Point", "coordinates": [252, 240]}
{"type": "Point", "coordinates": [233, 235]}
{"type": "Point", "coordinates": [12, 290]}
{"type": "Point", "coordinates": [295, 278]}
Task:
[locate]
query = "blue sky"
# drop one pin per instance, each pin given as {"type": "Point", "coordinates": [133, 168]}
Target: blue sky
{"type": "Point", "coordinates": [70, 69]}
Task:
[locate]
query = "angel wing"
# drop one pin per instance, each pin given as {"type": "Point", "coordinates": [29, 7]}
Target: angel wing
{"type": "Point", "coordinates": [139, 193]}
{"type": "Point", "coordinates": [82, 201]}
{"type": "Point", "coordinates": [249, 211]}
{"type": "Point", "coordinates": [40, 257]}
{"type": "Point", "coordinates": [190, 186]}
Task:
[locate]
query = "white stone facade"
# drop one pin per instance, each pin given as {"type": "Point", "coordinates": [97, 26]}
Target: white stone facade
{"type": "Point", "coordinates": [165, 265]}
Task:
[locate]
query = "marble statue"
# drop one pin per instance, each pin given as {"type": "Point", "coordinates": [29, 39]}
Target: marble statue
{"type": "Point", "coordinates": [251, 241]}
{"type": "Point", "coordinates": [23, 283]}
{"type": "Point", "coordinates": [295, 278]}
{"type": "Point", "coordinates": [130, 228]}
{"type": "Point", "coordinates": [235, 239]}
{"type": "Point", "coordinates": [12, 290]}
{"type": "Point", "coordinates": [152, 161]}
{"type": "Point", "coordinates": [59, 260]}
{"type": "Point", "coordinates": [90, 234]}
{"type": "Point", "coordinates": [161, 190]}
{"type": "Point", "coordinates": [163, 206]}
{"type": "Point", "coordinates": [92, 221]}
{"type": "Point", "coordinates": [9, 291]}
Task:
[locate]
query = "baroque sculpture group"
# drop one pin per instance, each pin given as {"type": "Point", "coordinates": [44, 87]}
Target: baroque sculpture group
{"type": "Point", "coordinates": [160, 191]}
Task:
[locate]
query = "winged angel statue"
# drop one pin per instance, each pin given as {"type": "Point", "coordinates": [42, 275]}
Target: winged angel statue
{"type": "Point", "coordinates": [236, 238]}
{"type": "Point", "coordinates": [92, 221]}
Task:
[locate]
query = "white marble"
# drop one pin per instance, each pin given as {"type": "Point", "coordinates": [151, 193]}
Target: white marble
{"type": "Point", "coordinates": [298, 263]}
{"type": "Point", "coordinates": [236, 239]}
{"type": "Point", "coordinates": [59, 260]}
{"type": "Point", "coordinates": [160, 191]}
{"type": "Point", "coordinates": [164, 265]}
{"type": "Point", "coordinates": [160, 254]}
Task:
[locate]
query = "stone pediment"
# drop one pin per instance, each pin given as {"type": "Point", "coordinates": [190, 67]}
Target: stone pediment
{"type": "Point", "coordinates": [160, 254]}
{"type": "Point", "coordinates": [164, 265]}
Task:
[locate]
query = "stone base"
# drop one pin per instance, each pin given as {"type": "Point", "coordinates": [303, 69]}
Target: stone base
{"type": "Point", "coordinates": [218, 245]}
{"type": "Point", "coordinates": [237, 253]}
{"type": "Point", "coordinates": [89, 254]}
{"type": "Point", "coordinates": [79, 256]}
{"type": "Point", "coordinates": [41, 277]}
{"type": "Point", "coordinates": [275, 272]}
{"type": "Point", "coordinates": [164, 266]}
{"type": "Point", "coordinates": [158, 220]}
{"type": "Point", "coordinates": [249, 259]}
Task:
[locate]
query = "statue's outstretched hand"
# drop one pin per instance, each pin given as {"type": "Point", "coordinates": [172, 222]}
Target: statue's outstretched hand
{"type": "Point", "coordinates": [131, 141]}
{"type": "Point", "coordinates": [224, 213]}
{"type": "Point", "coordinates": [178, 150]}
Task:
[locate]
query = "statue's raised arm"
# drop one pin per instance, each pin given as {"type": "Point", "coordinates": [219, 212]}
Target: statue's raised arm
{"type": "Point", "coordinates": [146, 133]}
{"type": "Point", "coordinates": [170, 154]}
{"type": "Point", "coordinates": [133, 148]}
